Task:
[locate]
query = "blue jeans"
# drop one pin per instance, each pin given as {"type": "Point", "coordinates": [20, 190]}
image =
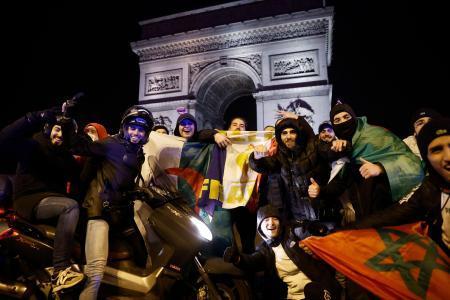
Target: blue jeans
{"type": "Point", "coordinates": [68, 211]}
{"type": "Point", "coordinates": [96, 249]}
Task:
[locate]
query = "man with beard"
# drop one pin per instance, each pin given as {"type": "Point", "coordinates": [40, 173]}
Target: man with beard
{"type": "Point", "coordinates": [326, 132]}
{"type": "Point", "coordinates": [430, 202]}
{"type": "Point", "coordinates": [303, 164]}
{"type": "Point", "coordinates": [381, 170]}
{"type": "Point", "coordinates": [45, 166]}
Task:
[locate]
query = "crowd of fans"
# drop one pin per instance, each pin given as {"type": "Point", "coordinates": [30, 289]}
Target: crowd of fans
{"type": "Point", "coordinates": [350, 175]}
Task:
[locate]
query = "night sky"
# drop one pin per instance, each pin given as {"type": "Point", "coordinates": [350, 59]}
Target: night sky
{"type": "Point", "coordinates": [388, 59]}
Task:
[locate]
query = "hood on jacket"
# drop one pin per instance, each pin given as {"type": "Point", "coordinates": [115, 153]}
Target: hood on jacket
{"type": "Point", "coordinates": [101, 130]}
{"type": "Point", "coordinates": [182, 117]}
{"type": "Point", "coordinates": [265, 212]}
{"type": "Point", "coordinates": [302, 133]}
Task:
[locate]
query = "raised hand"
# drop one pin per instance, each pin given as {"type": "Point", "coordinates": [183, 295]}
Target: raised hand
{"type": "Point", "coordinates": [286, 114]}
{"type": "Point", "coordinates": [260, 151]}
{"type": "Point", "coordinates": [338, 145]}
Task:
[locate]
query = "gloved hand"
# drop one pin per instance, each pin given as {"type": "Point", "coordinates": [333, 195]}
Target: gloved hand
{"type": "Point", "coordinates": [44, 116]}
{"type": "Point", "coordinates": [231, 254]}
{"type": "Point", "coordinates": [68, 107]}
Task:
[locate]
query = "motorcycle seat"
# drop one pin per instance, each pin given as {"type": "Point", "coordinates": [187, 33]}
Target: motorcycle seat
{"type": "Point", "coordinates": [47, 230]}
{"type": "Point", "coordinates": [38, 230]}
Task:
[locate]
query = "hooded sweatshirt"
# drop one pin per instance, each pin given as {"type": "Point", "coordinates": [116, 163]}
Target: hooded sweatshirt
{"type": "Point", "coordinates": [282, 258]}
{"type": "Point", "coordinates": [182, 117]}
{"type": "Point", "coordinates": [296, 167]}
{"type": "Point", "coordinates": [101, 130]}
{"type": "Point", "coordinates": [202, 136]}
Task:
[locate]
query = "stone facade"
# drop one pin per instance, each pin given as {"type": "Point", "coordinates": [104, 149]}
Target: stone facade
{"type": "Point", "coordinates": [281, 61]}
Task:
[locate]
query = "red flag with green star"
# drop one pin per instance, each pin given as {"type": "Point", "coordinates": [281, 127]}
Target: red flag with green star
{"type": "Point", "coordinates": [398, 262]}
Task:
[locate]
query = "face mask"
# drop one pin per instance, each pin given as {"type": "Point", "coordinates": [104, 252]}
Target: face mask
{"type": "Point", "coordinates": [345, 130]}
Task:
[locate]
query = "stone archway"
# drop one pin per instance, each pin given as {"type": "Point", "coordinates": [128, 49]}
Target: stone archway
{"type": "Point", "coordinates": [274, 60]}
{"type": "Point", "coordinates": [218, 86]}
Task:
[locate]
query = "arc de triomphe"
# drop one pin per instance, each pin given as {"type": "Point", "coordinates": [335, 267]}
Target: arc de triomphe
{"type": "Point", "coordinates": [279, 62]}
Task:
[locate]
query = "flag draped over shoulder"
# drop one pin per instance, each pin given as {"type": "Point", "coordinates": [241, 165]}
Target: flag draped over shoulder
{"type": "Point", "coordinates": [398, 262]}
{"type": "Point", "coordinates": [377, 144]}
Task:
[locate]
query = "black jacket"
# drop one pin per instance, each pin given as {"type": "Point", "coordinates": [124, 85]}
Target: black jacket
{"type": "Point", "coordinates": [43, 169]}
{"type": "Point", "coordinates": [119, 163]}
{"type": "Point", "coordinates": [310, 159]}
{"type": "Point", "coordinates": [264, 260]}
{"type": "Point", "coordinates": [424, 205]}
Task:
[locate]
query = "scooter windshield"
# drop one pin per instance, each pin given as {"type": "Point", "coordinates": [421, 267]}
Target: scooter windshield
{"type": "Point", "coordinates": [160, 188]}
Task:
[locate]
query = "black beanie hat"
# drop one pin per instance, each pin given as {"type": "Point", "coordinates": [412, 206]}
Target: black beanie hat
{"type": "Point", "coordinates": [423, 112]}
{"type": "Point", "coordinates": [433, 129]}
{"type": "Point", "coordinates": [324, 125]}
{"type": "Point", "coordinates": [340, 107]}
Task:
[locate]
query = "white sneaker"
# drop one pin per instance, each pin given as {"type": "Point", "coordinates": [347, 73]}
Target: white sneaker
{"type": "Point", "coordinates": [66, 278]}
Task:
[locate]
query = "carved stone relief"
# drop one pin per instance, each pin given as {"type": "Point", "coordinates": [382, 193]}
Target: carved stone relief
{"type": "Point", "coordinates": [253, 60]}
{"type": "Point", "coordinates": [236, 39]}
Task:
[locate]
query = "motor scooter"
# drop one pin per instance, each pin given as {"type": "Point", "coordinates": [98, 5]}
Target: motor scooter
{"type": "Point", "coordinates": [174, 237]}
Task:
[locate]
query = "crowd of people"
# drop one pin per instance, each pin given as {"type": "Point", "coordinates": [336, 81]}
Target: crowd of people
{"type": "Point", "coordinates": [350, 175]}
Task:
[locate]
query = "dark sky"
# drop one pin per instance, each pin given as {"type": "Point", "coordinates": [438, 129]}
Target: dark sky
{"type": "Point", "coordinates": [388, 59]}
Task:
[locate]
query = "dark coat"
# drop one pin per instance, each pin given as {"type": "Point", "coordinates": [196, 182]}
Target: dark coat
{"type": "Point", "coordinates": [264, 258]}
{"type": "Point", "coordinates": [366, 195]}
{"type": "Point", "coordinates": [424, 205]}
{"type": "Point", "coordinates": [119, 163]}
{"type": "Point", "coordinates": [43, 169]}
{"type": "Point", "coordinates": [310, 159]}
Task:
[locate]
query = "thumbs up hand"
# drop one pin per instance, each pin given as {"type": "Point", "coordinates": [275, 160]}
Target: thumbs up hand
{"type": "Point", "coordinates": [368, 169]}
{"type": "Point", "coordinates": [313, 189]}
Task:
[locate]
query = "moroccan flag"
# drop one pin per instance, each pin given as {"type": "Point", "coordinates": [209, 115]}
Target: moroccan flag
{"type": "Point", "coordinates": [398, 262]}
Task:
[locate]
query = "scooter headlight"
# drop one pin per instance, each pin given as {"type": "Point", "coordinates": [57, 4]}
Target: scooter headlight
{"type": "Point", "coordinates": [203, 230]}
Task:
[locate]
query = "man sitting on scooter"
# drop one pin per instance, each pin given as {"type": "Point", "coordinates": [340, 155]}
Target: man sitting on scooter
{"type": "Point", "coordinates": [120, 158]}
{"type": "Point", "coordinates": [45, 166]}
{"type": "Point", "coordinates": [281, 257]}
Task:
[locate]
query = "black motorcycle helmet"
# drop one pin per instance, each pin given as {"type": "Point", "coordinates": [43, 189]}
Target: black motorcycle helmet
{"type": "Point", "coordinates": [137, 115]}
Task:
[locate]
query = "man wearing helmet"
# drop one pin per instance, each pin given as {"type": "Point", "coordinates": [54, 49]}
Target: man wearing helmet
{"type": "Point", "coordinates": [119, 158]}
